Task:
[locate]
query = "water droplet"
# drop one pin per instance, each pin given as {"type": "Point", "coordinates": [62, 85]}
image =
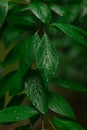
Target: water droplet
{"type": "Point", "coordinates": [34, 103]}
{"type": "Point", "coordinates": [17, 117]}
{"type": "Point", "coordinates": [47, 80]}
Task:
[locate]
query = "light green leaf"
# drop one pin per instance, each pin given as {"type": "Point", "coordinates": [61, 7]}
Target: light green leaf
{"type": "Point", "coordinates": [69, 84]}
{"type": "Point", "coordinates": [58, 9]}
{"type": "Point", "coordinates": [72, 31]}
{"type": "Point", "coordinates": [60, 105]}
{"type": "Point", "coordinates": [3, 11]}
{"type": "Point", "coordinates": [27, 54]}
{"type": "Point", "coordinates": [36, 91]}
{"type": "Point", "coordinates": [41, 11]}
{"type": "Point", "coordinates": [63, 124]}
{"type": "Point", "coordinates": [46, 58]}
{"type": "Point", "coordinates": [16, 113]}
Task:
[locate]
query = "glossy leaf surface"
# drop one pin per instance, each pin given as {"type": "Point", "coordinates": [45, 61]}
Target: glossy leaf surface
{"type": "Point", "coordinates": [36, 92]}
{"type": "Point", "coordinates": [72, 31]}
{"type": "Point", "coordinates": [46, 58]}
{"type": "Point", "coordinates": [16, 113]}
{"type": "Point", "coordinates": [66, 125]}
{"type": "Point", "coordinates": [59, 105]}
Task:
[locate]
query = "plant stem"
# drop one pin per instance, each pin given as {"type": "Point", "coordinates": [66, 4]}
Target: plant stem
{"type": "Point", "coordinates": [54, 128]}
{"type": "Point", "coordinates": [42, 124]}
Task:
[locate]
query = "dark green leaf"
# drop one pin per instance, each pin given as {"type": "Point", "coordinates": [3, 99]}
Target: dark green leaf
{"type": "Point", "coordinates": [2, 102]}
{"type": "Point", "coordinates": [12, 56]}
{"type": "Point", "coordinates": [25, 127]}
{"type": "Point", "coordinates": [63, 124]}
{"type": "Point", "coordinates": [3, 11]}
{"type": "Point", "coordinates": [27, 54]}
{"type": "Point", "coordinates": [10, 81]}
{"type": "Point", "coordinates": [71, 13]}
{"type": "Point", "coordinates": [46, 58]}
{"type": "Point", "coordinates": [36, 92]}
{"type": "Point", "coordinates": [15, 84]}
{"type": "Point", "coordinates": [16, 100]}
{"type": "Point", "coordinates": [22, 21]}
{"type": "Point", "coordinates": [41, 11]}
{"type": "Point", "coordinates": [72, 31]}
{"type": "Point", "coordinates": [59, 105]}
{"type": "Point", "coordinates": [69, 84]}
{"type": "Point", "coordinates": [16, 113]}
{"type": "Point", "coordinates": [11, 35]}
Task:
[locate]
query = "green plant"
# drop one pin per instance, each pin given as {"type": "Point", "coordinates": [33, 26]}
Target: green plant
{"type": "Point", "coordinates": [26, 29]}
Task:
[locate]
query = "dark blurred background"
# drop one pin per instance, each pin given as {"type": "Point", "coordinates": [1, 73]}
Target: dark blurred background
{"type": "Point", "coordinates": [72, 55]}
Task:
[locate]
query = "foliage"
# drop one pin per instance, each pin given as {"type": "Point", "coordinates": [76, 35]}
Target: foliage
{"type": "Point", "coordinates": [31, 30]}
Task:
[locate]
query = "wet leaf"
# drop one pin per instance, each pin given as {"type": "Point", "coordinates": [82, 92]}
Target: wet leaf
{"type": "Point", "coordinates": [36, 91]}
{"type": "Point", "coordinates": [16, 113]}
{"type": "Point", "coordinates": [46, 58]}
{"type": "Point", "coordinates": [60, 105]}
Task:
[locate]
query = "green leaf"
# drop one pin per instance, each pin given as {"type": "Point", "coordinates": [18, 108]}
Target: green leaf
{"type": "Point", "coordinates": [12, 56]}
{"type": "Point", "coordinates": [22, 21]}
{"type": "Point", "coordinates": [72, 31]}
{"type": "Point", "coordinates": [3, 11]}
{"type": "Point", "coordinates": [16, 113]}
{"type": "Point", "coordinates": [11, 81]}
{"type": "Point", "coordinates": [15, 84]}
{"type": "Point", "coordinates": [46, 58]}
{"type": "Point", "coordinates": [25, 127]}
{"type": "Point", "coordinates": [63, 124]}
{"type": "Point", "coordinates": [11, 35]}
{"type": "Point", "coordinates": [71, 13]}
{"type": "Point", "coordinates": [59, 105]}
{"type": "Point", "coordinates": [36, 91]}
{"type": "Point", "coordinates": [69, 84]}
{"type": "Point", "coordinates": [58, 9]}
{"type": "Point", "coordinates": [27, 54]}
{"type": "Point", "coordinates": [41, 11]}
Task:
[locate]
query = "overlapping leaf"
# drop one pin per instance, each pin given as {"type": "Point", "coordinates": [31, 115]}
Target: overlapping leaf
{"type": "Point", "coordinates": [3, 11]}
{"type": "Point", "coordinates": [27, 54]}
{"type": "Point", "coordinates": [16, 113]}
{"type": "Point", "coordinates": [36, 91]}
{"type": "Point", "coordinates": [72, 31]}
{"type": "Point", "coordinates": [40, 10]}
{"type": "Point", "coordinates": [46, 58]}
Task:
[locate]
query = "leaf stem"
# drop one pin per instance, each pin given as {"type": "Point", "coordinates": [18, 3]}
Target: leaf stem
{"type": "Point", "coordinates": [43, 124]}
{"type": "Point", "coordinates": [54, 128]}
